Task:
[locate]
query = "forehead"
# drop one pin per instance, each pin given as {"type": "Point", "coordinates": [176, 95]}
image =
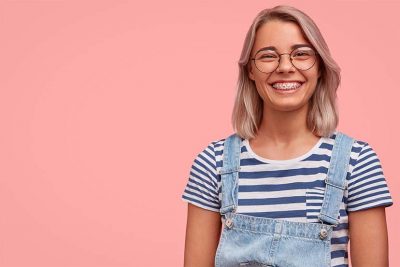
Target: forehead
{"type": "Point", "coordinates": [282, 35]}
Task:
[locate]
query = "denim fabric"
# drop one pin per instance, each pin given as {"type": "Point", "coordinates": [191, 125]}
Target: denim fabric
{"type": "Point", "coordinates": [257, 241]}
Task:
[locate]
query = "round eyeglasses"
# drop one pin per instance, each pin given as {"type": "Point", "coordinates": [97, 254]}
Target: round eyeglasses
{"type": "Point", "coordinates": [302, 58]}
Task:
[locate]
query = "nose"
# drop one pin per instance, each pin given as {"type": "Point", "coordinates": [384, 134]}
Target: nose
{"type": "Point", "coordinates": [285, 65]}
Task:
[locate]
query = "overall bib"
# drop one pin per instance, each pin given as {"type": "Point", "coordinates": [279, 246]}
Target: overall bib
{"type": "Point", "coordinates": [258, 241]}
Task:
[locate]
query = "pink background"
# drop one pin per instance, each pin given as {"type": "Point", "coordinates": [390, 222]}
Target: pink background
{"type": "Point", "coordinates": [105, 104]}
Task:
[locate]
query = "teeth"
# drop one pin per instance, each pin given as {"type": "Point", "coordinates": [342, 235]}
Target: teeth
{"type": "Point", "coordinates": [286, 86]}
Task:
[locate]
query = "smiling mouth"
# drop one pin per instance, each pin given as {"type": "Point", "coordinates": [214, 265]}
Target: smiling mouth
{"type": "Point", "coordinates": [287, 89]}
{"type": "Point", "coordinates": [286, 85]}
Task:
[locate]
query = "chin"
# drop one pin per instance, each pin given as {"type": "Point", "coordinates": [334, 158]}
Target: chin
{"type": "Point", "coordinates": [288, 105]}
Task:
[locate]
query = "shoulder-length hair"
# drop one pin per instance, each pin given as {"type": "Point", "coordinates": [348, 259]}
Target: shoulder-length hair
{"type": "Point", "coordinates": [322, 117]}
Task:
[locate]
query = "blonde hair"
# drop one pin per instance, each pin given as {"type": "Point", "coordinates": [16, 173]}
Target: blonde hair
{"type": "Point", "coordinates": [322, 117]}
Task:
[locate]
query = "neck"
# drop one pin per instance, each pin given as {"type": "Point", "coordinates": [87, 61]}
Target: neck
{"type": "Point", "coordinates": [284, 127]}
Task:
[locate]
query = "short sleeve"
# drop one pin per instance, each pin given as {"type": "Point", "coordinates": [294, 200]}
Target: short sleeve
{"type": "Point", "coordinates": [367, 187]}
{"type": "Point", "coordinates": [202, 186]}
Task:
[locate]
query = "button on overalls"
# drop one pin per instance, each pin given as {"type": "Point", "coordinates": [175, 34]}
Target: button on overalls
{"type": "Point", "coordinates": [258, 241]}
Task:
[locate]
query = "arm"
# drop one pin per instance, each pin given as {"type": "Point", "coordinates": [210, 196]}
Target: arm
{"type": "Point", "coordinates": [203, 230]}
{"type": "Point", "coordinates": [368, 238]}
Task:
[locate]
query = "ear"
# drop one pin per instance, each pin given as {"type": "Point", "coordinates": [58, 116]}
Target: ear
{"type": "Point", "coordinates": [250, 70]}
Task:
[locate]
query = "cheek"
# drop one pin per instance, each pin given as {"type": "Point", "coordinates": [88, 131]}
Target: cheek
{"type": "Point", "coordinates": [312, 77]}
{"type": "Point", "coordinates": [312, 87]}
{"type": "Point", "coordinates": [259, 87]}
{"type": "Point", "coordinates": [261, 83]}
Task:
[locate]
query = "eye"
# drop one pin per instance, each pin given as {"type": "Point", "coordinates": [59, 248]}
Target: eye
{"type": "Point", "coordinates": [267, 56]}
{"type": "Point", "coordinates": [303, 53]}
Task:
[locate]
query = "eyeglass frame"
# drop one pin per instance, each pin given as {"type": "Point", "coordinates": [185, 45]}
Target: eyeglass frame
{"type": "Point", "coordinates": [280, 56]}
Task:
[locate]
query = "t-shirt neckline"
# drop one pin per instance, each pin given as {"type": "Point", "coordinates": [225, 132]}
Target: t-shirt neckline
{"type": "Point", "coordinates": [287, 161]}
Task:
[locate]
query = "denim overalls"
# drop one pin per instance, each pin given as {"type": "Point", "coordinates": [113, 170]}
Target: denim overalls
{"type": "Point", "coordinates": [258, 241]}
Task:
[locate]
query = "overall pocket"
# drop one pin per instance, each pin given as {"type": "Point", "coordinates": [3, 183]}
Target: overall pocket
{"type": "Point", "coordinates": [296, 252]}
{"type": "Point", "coordinates": [243, 247]}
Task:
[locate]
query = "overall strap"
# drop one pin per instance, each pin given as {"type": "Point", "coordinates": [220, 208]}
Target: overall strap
{"type": "Point", "coordinates": [230, 173]}
{"type": "Point", "coordinates": [336, 179]}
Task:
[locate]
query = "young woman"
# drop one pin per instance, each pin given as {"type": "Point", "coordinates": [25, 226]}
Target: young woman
{"type": "Point", "coordinates": [287, 188]}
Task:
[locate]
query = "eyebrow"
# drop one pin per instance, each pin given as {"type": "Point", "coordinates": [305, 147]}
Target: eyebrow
{"type": "Point", "coordinates": [292, 47]}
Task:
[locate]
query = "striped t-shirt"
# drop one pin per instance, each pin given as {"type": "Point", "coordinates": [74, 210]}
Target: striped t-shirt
{"type": "Point", "coordinates": [291, 189]}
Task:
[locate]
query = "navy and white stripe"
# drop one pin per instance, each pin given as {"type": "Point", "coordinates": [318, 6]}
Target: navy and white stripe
{"type": "Point", "coordinates": [291, 189]}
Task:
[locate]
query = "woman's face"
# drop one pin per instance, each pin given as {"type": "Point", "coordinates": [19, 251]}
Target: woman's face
{"type": "Point", "coordinates": [282, 35]}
